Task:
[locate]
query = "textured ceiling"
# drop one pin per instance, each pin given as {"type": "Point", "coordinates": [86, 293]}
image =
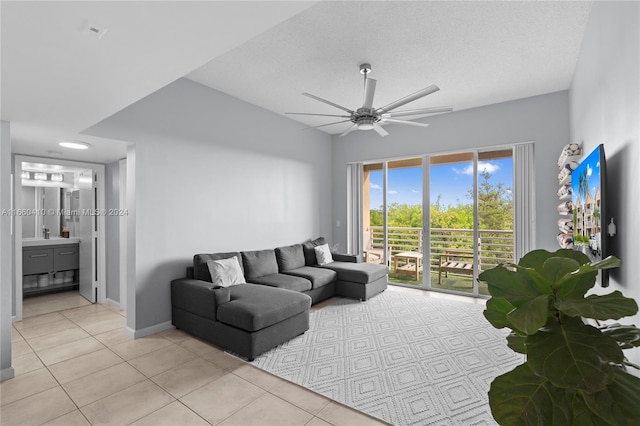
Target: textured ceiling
{"type": "Point", "coordinates": [477, 52]}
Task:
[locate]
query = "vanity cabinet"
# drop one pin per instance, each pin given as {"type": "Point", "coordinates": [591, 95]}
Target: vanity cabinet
{"type": "Point", "coordinates": [49, 269]}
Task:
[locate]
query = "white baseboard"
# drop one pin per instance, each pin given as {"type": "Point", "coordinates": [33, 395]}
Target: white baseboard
{"type": "Point", "coordinates": [148, 331]}
{"type": "Point", "coordinates": [7, 373]}
{"type": "Point", "coordinates": [113, 303]}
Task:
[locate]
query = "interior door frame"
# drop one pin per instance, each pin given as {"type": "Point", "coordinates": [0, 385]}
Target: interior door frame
{"type": "Point", "coordinates": [99, 172]}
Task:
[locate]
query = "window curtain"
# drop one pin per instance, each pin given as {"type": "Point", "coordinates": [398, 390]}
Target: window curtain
{"type": "Point", "coordinates": [354, 208]}
{"type": "Point", "coordinates": [524, 199]}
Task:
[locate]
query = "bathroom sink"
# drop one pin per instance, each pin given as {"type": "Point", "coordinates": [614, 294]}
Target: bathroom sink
{"type": "Point", "coordinates": [39, 241]}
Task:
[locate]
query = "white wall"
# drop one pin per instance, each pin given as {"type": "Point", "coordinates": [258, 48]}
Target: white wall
{"type": "Point", "coordinates": [213, 173]}
{"type": "Point", "coordinates": [605, 108]}
{"type": "Point", "coordinates": [542, 119]}
{"type": "Point", "coordinates": [6, 258]}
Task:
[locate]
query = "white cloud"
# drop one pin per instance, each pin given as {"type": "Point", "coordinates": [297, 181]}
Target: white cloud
{"type": "Point", "coordinates": [376, 186]}
{"type": "Point", "coordinates": [392, 192]}
{"type": "Point", "coordinates": [482, 167]}
{"type": "Point", "coordinates": [589, 170]}
{"type": "Point", "coordinates": [416, 191]}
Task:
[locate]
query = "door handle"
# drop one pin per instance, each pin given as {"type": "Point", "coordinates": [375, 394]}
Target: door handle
{"type": "Point", "coordinates": [66, 253]}
{"type": "Point", "coordinates": [33, 256]}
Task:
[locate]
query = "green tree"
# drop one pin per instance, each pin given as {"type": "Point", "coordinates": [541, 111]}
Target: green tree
{"type": "Point", "coordinates": [495, 204]}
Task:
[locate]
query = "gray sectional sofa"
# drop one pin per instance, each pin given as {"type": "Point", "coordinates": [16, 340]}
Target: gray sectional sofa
{"type": "Point", "coordinates": [273, 306]}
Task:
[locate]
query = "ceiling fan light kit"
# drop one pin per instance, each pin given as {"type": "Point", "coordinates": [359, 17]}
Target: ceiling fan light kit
{"type": "Point", "coordinates": [369, 118]}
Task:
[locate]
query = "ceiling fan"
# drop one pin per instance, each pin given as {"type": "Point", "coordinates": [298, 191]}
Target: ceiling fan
{"type": "Point", "coordinates": [367, 117]}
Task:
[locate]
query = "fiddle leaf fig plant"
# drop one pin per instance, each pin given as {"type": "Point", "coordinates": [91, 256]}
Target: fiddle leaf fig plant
{"type": "Point", "coordinates": [574, 373]}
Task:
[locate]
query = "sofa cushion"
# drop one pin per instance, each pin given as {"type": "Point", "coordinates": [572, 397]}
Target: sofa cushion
{"type": "Point", "coordinates": [319, 277]}
{"type": "Point", "coordinates": [290, 257]}
{"type": "Point", "coordinates": [200, 267]}
{"type": "Point", "coordinates": [254, 307]}
{"type": "Point", "coordinates": [225, 272]}
{"type": "Point", "coordinates": [310, 252]}
{"type": "Point", "coordinates": [287, 282]}
{"type": "Point", "coordinates": [259, 263]}
{"type": "Point", "coordinates": [363, 273]}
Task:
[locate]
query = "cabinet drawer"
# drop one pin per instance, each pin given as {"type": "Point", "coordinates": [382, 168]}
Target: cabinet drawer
{"type": "Point", "coordinates": [37, 261]}
{"type": "Point", "coordinates": [65, 258]}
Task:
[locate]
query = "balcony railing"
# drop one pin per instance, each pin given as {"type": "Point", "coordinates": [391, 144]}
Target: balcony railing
{"type": "Point", "coordinates": [494, 246]}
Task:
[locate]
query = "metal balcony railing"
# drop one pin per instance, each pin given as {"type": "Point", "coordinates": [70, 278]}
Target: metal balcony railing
{"type": "Point", "coordinates": [495, 246]}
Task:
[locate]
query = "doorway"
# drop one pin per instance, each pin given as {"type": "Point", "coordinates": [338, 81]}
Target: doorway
{"type": "Point", "coordinates": [60, 237]}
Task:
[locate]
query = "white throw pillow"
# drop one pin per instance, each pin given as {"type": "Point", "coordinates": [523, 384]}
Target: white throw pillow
{"type": "Point", "coordinates": [323, 254]}
{"type": "Point", "coordinates": [226, 272]}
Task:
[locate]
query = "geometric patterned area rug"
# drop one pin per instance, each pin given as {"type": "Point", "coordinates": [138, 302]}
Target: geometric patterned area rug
{"type": "Point", "coordinates": [405, 359]}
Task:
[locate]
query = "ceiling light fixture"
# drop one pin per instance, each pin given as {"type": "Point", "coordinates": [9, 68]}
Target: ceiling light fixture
{"type": "Point", "coordinates": [40, 176]}
{"type": "Point", "coordinates": [74, 144]}
{"type": "Point", "coordinates": [56, 177]}
{"type": "Point", "coordinates": [25, 175]}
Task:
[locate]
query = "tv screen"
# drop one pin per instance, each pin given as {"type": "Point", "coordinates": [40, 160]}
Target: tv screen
{"type": "Point", "coordinates": [589, 220]}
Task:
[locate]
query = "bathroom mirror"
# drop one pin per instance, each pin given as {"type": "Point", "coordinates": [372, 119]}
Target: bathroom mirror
{"type": "Point", "coordinates": [37, 200]}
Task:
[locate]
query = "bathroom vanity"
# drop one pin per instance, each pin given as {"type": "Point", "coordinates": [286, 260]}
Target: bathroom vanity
{"type": "Point", "coordinates": [49, 265]}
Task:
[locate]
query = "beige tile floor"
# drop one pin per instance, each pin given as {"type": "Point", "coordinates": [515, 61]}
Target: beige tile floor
{"type": "Point", "coordinates": [76, 366]}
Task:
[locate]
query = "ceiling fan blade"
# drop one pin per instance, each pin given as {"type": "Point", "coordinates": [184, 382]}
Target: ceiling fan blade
{"type": "Point", "coordinates": [321, 115]}
{"type": "Point", "coordinates": [349, 130]}
{"type": "Point", "coordinates": [328, 124]}
{"type": "Point", "coordinates": [379, 130]}
{"type": "Point", "coordinates": [309, 95]}
{"type": "Point", "coordinates": [412, 97]}
{"type": "Point", "coordinates": [417, 112]}
{"type": "Point", "coordinates": [410, 123]}
{"type": "Point", "coordinates": [369, 91]}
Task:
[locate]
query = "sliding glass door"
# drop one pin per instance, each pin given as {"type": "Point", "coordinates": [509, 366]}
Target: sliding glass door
{"type": "Point", "coordinates": [470, 218]}
{"type": "Point", "coordinates": [392, 218]}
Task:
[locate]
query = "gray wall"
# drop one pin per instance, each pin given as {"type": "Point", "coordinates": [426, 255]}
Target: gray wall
{"type": "Point", "coordinates": [541, 119]}
{"type": "Point", "coordinates": [213, 173]}
{"type": "Point", "coordinates": [112, 224]}
{"type": "Point", "coordinates": [605, 108]}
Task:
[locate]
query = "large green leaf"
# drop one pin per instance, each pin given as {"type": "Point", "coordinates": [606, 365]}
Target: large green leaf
{"type": "Point", "coordinates": [496, 312]}
{"type": "Point", "coordinates": [555, 268]}
{"type": "Point", "coordinates": [608, 263]}
{"type": "Point", "coordinates": [517, 342]}
{"type": "Point", "coordinates": [530, 316]}
{"type": "Point", "coordinates": [520, 397]}
{"type": "Point", "coordinates": [575, 286]}
{"type": "Point", "coordinates": [609, 306]}
{"type": "Point", "coordinates": [582, 415]}
{"type": "Point", "coordinates": [535, 259]}
{"type": "Point", "coordinates": [514, 286]}
{"type": "Point", "coordinates": [573, 355]}
{"type": "Point", "coordinates": [627, 336]}
{"type": "Point", "coordinates": [618, 403]}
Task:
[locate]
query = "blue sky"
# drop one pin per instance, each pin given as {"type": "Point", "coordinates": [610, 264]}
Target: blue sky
{"type": "Point", "coordinates": [450, 181]}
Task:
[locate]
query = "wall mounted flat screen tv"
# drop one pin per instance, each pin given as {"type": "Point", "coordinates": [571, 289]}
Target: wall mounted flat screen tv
{"type": "Point", "coordinates": [588, 187]}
